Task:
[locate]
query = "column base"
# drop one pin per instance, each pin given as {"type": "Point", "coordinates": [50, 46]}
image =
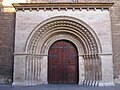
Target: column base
{"type": "Point", "coordinates": [20, 83]}
{"type": "Point", "coordinates": [28, 83]}
{"type": "Point", "coordinates": [95, 83]}
{"type": "Point", "coordinates": [107, 84]}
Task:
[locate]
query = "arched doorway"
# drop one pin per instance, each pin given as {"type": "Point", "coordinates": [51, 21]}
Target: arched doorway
{"type": "Point", "coordinates": [72, 31]}
{"type": "Point", "coordinates": [63, 63]}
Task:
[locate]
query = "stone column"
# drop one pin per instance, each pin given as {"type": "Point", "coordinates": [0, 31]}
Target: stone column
{"type": "Point", "coordinates": [44, 70]}
{"type": "Point", "coordinates": [81, 70]}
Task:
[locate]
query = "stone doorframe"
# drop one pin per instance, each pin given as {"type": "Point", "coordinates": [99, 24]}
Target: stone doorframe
{"type": "Point", "coordinates": [62, 28]}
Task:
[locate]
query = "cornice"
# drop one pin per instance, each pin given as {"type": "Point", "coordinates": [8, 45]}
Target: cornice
{"type": "Point", "coordinates": [61, 6]}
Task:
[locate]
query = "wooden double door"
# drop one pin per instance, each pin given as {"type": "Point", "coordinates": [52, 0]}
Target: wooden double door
{"type": "Point", "coordinates": [63, 63]}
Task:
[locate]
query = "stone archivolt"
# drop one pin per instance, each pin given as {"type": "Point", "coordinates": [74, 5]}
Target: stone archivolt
{"type": "Point", "coordinates": [63, 26]}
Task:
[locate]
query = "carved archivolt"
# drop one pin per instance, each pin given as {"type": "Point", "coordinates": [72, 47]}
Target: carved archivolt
{"type": "Point", "coordinates": [63, 27]}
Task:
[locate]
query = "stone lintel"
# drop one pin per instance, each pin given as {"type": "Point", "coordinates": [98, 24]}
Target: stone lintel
{"type": "Point", "coordinates": [62, 6]}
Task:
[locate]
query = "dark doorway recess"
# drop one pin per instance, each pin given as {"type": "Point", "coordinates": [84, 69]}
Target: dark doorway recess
{"type": "Point", "coordinates": [63, 63]}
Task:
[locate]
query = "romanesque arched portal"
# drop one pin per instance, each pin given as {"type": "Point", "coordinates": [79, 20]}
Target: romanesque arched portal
{"type": "Point", "coordinates": [85, 25]}
{"type": "Point", "coordinates": [67, 28]}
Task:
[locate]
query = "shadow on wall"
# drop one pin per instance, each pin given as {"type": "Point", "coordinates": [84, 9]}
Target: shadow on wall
{"type": "Point", "coordinates": [7, 25]}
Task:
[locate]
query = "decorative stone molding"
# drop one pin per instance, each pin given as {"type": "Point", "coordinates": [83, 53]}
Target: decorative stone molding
{"type": "Point", "coordinates": [61, 25]}
{"type": "Point", "coordinates": [62, 6]}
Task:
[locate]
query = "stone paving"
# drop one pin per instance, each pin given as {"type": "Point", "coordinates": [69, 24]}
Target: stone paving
{"type": "Point", "coordinates": [58, 87]}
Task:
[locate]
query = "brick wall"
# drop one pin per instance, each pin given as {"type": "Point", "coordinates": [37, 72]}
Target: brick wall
{"type": "Point", "coordinates": [115, 17]}
{"type": "Point", "coordinates": [6, 46]}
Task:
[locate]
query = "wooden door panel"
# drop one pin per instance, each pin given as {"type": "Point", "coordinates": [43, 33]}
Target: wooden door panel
{"type": "Point", "coordinates": [72, 76]}
{"type": "Point", "coordinates": [54, 77]}
{"type": "Point", "coordinates": [69, 75]}
{"type": "Point", "coordinates": [55, 56]}
{"type": "Point", "coordinates": [62, 63]}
